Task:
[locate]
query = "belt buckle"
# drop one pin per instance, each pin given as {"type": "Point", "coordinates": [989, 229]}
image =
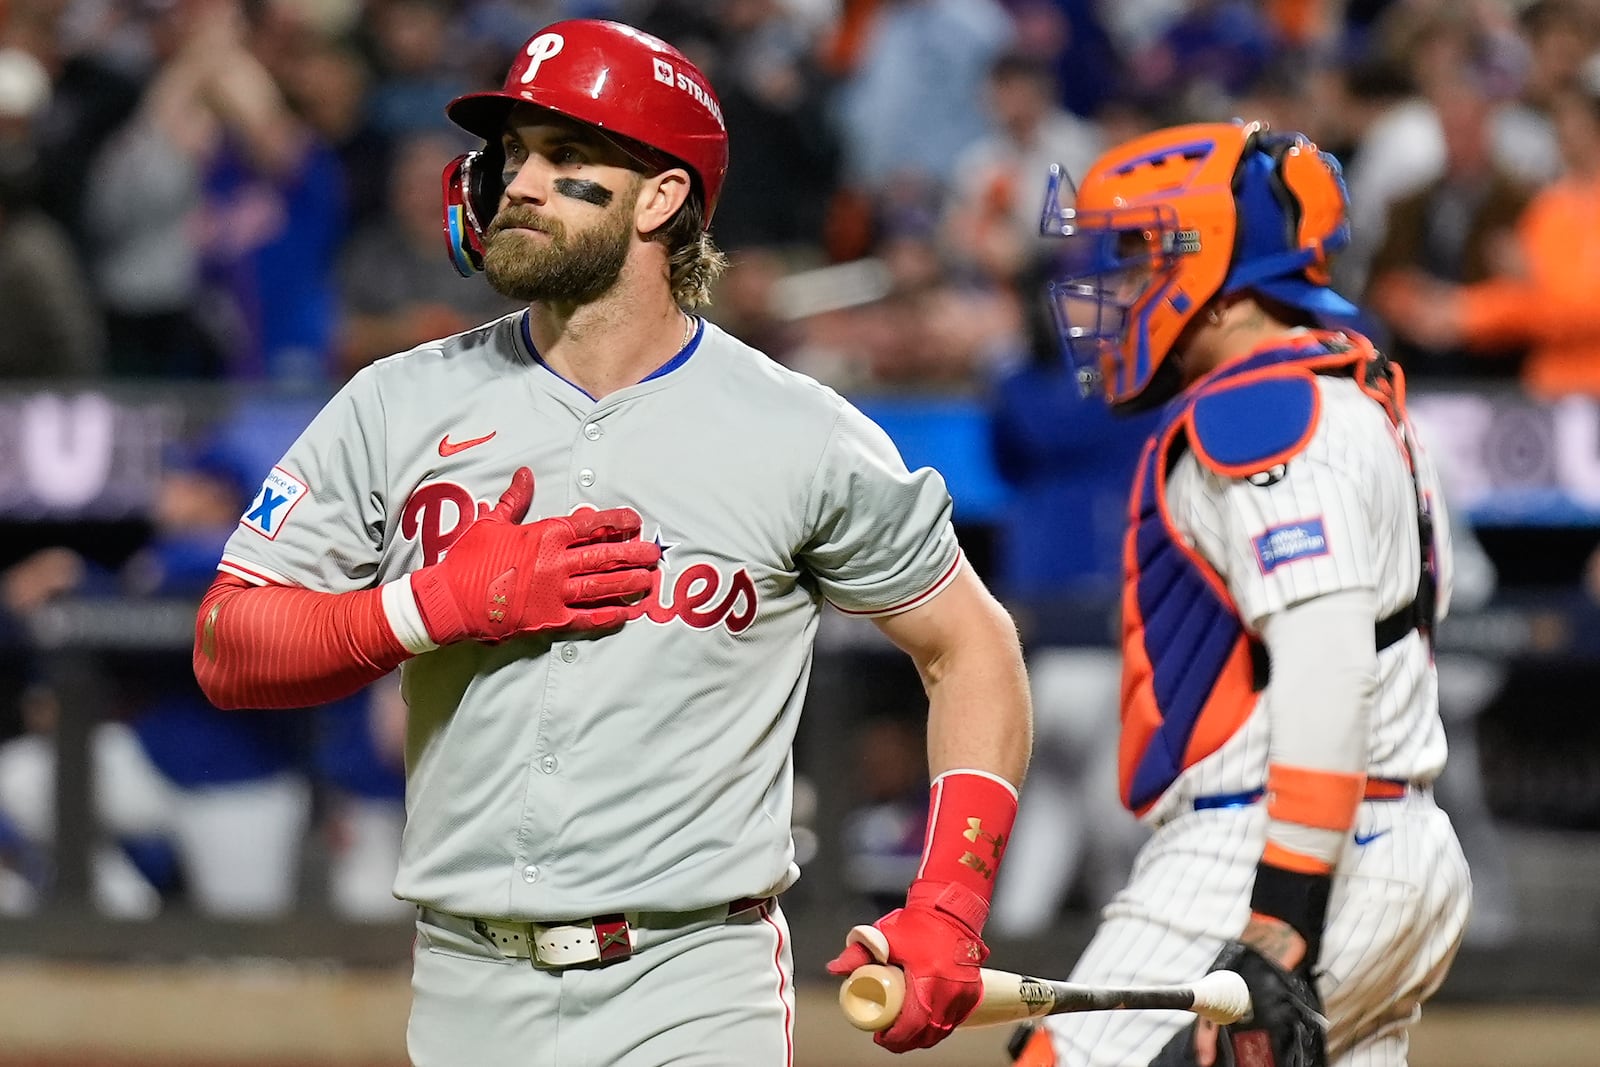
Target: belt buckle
{"type": "Point", "coordinates": [602, 939]}
{"type": "Point", "coordinates": [612, 938]}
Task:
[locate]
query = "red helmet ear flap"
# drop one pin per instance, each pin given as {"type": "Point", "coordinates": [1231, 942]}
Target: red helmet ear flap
{"type": "Point", "coordinates": [471, 185]}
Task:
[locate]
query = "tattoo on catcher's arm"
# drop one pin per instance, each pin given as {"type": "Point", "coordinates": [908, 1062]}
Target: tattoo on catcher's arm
{"type": "Point", "coordinates": [1274, 938]}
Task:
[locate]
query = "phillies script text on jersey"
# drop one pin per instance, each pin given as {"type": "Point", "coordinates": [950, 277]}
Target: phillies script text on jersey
{"type": "Point", "coordinates": [698, 598]}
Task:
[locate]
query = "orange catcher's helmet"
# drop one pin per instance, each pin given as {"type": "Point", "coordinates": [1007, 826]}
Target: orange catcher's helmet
{"type": "Point", "coordinates": [1166, 222]}
{"type": "Point", "coordinates": [641, 92]}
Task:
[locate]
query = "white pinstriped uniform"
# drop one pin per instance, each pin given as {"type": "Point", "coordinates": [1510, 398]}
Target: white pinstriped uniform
{"type": "Point", "coordinates": [1400, 899]}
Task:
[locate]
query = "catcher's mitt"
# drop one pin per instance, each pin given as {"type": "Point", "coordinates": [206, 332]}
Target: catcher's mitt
{"type": "Point", "coordinates": [1285, 1028]}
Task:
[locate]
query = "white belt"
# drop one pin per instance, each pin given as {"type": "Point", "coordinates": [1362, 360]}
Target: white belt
{"type": "Point", "coordinates": [602, 939]}
{"type": "Point", "coordinates": [562, 945]}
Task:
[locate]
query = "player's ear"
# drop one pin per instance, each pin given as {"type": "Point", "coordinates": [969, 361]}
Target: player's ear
{"type": "Point", "coordinates": [1183, 346]}
{"type": "Point", "coordinates": [660, 197]}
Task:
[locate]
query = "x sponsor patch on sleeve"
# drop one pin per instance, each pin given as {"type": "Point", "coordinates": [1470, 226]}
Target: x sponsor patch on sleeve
{"type": "Point", "coordinates": [279, 495]}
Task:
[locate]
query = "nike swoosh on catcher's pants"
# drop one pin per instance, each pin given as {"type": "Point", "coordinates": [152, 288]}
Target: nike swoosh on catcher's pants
{"type": "Point", "coordinates": [1369, 838]}
{"type": "Point", "coordinates": [449, 448]}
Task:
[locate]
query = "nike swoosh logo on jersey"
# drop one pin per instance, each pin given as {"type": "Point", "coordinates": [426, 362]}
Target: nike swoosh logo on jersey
{"type": "Point", "coordinates": [1369, 838]}
{"type": "Point", "coordinates": [448, 448]}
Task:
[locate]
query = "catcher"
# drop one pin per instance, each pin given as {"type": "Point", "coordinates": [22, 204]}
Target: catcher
{"type": "Point", "coordinates": [1287, 560]}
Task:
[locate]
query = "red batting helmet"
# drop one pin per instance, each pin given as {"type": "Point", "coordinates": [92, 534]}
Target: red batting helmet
{"type": "Point", "coordinates": [627, 83]}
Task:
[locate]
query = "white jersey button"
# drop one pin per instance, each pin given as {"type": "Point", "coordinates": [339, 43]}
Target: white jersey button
{"type": "Point", "coordinates": [593, 431]}
{"type": "Point", "coordinates": [530, 873]}
{"type": "Point", "coordinates": [586, 477]}
{"type": "Point", "coordinates": [569, 652]}
{"type": "Point", "coordinates": [549, 764]}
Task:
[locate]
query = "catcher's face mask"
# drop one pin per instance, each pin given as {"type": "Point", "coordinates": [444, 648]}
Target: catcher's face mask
{"type": "Point", "coordinates": [1113, 269]}
{"type": "Point", "coordinates": [1166, 222]}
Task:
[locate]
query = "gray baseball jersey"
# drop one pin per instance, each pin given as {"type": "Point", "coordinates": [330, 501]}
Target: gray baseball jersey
{"type": "Point", "coordinates": [645, 769]}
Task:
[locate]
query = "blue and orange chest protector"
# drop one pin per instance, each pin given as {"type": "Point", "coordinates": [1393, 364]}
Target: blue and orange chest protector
{"type": "Point", "coordinates": [1192, 671]}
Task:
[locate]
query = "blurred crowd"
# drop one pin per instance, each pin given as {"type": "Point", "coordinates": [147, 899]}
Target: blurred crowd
{"type": "Point", "coordinates": [233, 815]}
{"type": "Point", "coordinates": [248, 191]}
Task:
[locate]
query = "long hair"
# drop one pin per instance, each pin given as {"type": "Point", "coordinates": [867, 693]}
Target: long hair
{"type": "Point", "coordinates": [694, 262]}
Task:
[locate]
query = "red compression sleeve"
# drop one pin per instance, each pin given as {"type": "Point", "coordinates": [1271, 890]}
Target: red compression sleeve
{"type": "Point", "coordinates": [277, 646]}
{"type": "Point", "coordinates": [969, 822]}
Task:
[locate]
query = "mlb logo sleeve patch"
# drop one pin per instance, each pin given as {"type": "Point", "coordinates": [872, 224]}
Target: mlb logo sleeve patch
{"type": "Point", "coordinates": [280, 494]}
{"type": "Point", "coordinates": [1289, 542]}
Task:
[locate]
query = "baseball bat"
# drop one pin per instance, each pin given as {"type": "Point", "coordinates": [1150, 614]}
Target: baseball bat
{"type": "Point", "coordinates": [872, 995]}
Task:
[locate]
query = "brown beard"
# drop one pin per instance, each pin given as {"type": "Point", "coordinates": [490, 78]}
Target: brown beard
{"type": "Point", "coordinates": [565, 269]}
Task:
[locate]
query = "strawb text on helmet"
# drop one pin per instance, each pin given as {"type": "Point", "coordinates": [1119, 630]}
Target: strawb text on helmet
{"type": "Point", "coordinates": [666, 75]}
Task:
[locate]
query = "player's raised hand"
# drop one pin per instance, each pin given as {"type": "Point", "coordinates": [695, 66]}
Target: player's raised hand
{"type": "Point", "coordinates": [503, 578]}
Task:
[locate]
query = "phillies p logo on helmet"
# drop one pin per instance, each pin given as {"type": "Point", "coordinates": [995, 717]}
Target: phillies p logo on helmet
{"type": "Point", "coordinates": [543, 47]}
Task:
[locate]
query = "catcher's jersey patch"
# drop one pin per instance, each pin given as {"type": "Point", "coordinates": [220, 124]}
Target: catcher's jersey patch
{"type": "Point", "coordinates": [1289, 542]}
{"type": "Point", "coordinates": [270, 509]}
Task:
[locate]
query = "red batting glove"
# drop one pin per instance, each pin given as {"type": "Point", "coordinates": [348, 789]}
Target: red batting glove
{"type": "Point", "coordinates": [501, 579]}
{"type": "Point", "coordinates": [935, 940]}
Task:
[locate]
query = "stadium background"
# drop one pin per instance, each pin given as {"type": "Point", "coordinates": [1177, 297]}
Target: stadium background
{"type": "Point", "coordinates": [213, 211]}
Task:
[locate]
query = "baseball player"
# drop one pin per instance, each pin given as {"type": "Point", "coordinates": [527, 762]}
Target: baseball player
{"type": "Point", "coordinates": [598, 534]}
{"type": "Point", "coordinates": [1287, 559]}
